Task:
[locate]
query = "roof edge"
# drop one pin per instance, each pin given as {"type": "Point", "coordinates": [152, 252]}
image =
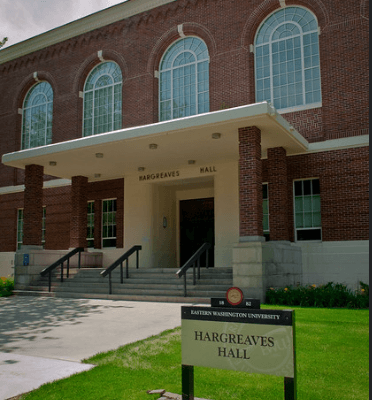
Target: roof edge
{"type": "Point", "coordinates": [80, 26]}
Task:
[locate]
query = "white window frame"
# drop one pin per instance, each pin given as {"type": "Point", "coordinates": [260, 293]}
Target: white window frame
{"type": "Point", "coordinates": [304, 106]}
{"type": "Point", "coordinates": [90, 231]}
{"type": "Point", "coordinates": [294, 214]}
{"type": "Point", "coordinates": [28, 113]}
{"type": "Point", "coordinates": [111, 116]}
{"type": "Point", "coordinates": [43, 226]}
{"type": "Point", "coordinates": [173, 68]}
{"type": "Point", "coordinates": [20, 213]}
{"type": "Point", "coordinates": [108, 237]}
{"type": "Point", "coordinates": [267, 231]}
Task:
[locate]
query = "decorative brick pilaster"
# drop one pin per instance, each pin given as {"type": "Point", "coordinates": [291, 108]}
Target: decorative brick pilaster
{"type": "Point", "coordinates": [33, 205]}
{"type": "Point", "coordinates": [78, 222]}
{"type": "Point", "coordinates": [250, 183]}
{"type": "Point", "coordinates": [278, 193]}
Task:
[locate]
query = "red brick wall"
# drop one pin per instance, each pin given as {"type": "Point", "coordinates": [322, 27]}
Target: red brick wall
{"type": "Point", "coordinates": [9, 203]}
{"type": "Point", "coordinates": [58, 213]}
{"type": "Point", "coordinates": [33, 205]}
{"type": "Point", "coordinates": [250, 178]}
{"type": "Point", "coordinates": [344, 190]}
{"type": "Point", "coordinates": [278, 194]}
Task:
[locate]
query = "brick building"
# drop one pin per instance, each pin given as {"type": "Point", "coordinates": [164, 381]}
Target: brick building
{"type": "Point", "coordinates": [171, 123]}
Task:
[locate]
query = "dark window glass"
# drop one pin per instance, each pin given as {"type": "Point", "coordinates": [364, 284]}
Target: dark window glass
{"type": "Point", "coordinates": [309, 234]}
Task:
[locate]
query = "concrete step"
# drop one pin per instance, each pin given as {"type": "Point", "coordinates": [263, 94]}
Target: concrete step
{"type": "Point", "coordinates": [155, 283]}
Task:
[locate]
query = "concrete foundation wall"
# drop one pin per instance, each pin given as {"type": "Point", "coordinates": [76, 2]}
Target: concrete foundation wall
{"type": "Point", "coordinates": [344, 262]}
{"type": "Point", "coordinates": [38, 259]}
{"type": "Point", "coordinates": [6, 264]}
{"type": "Point", "coordinates": [282, 264]}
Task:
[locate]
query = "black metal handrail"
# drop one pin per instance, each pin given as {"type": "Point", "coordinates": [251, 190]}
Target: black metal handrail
{"type": "Point", "coordinates": [120, 261]}
{"type": "Point", "coordinates": [194, 262]}
{"type": "Point", "coordinates": [60, 262]}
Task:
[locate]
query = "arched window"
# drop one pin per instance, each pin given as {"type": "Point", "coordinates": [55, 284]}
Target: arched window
{"type": "Point", "coordinates": [184, 79]}
{"type": "Point", "coordinates": [37, 116]}
{"type": "Point", "coordinates": [287, 63]}
{"type": "Point", "coordinates": [103, 99]}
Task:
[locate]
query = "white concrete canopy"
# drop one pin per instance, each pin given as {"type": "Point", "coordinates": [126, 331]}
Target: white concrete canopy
{"type": "Point", "coordinates": [123, 151]}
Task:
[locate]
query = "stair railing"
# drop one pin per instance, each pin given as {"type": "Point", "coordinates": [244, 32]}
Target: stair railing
{"type": "Point", "coordinates": [60, 262]}
{"type": "Point", "coordinates": [194, 262]}
{"type": "Point", "coordinates": [120, 261]}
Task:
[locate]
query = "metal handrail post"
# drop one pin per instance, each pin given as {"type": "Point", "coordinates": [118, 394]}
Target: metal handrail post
{"type": "Point", "coordinates": [193, 274]}
{"type": "Point", "coordinates": [110, 288]}
{"type": "Point", "coordinates": [61, 272]}
{"type": "Point", "coordinates": [68, 268]}
{"type": "Point", "coordinates": [126, 268]}
{"type": "Point", "coordinates": [79, 262]}
{"type": "Point", "coordinates": [207, 259]}
{"type": "Point", "coordinates": [137, 259]}
{"type": "Point", "coordinates": [121, 273]}
{"type": "Point", "coordinates": [199, 268]}
{"type": "Point", "coordinates": [50, 280]}
{"type": "Point", "coordinates": [184, 286]}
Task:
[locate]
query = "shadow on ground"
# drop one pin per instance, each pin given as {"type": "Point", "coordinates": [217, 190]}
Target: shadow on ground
{"type": "Point", "coordinates": [26, 318]}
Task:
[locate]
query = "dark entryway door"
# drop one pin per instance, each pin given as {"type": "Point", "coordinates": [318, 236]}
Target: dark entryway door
{"type": "Point", "coordinates": [196, 228]}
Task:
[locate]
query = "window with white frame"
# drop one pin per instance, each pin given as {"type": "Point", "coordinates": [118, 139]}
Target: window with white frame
{"type": "Point", "coordinates": [103, 99]}
{"type": "Point", "coordinates": [308, 224]}
{"type": "Point", "coordinates": [109, 223]}
{"type": "Point", "coordinates": [37, 116]}
{"type": "Point", "coordinates": [19, 228]}
{"type": "Point", "coordinates": [90, 224]}
{"type": "Point", "coordinates": [287, 65]}
{"type": "Point", "coordinates": [184, 79]}
{"type": "Point", "coordinates": [265, 209]}
{"type": "Point", "coordinates": [43, 226]}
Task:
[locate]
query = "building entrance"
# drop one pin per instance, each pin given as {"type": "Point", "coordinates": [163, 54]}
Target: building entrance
{"type": "Point", "coordinates": [196, 228]}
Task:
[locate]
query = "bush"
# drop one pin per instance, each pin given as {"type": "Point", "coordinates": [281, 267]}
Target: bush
{"type": "Point", "coordinates": [329, 295]}
{"type": "Point", "coordinates": [6, 286]}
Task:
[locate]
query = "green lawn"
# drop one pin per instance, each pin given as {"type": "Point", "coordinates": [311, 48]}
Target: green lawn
{"type": "Point", "coordinates": [332, 364]}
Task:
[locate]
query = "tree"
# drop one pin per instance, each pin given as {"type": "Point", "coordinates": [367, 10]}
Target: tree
{"type": "Point", "coordinates": [2, 43]}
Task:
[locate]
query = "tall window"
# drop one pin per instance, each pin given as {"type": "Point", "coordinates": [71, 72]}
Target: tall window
{"type": "Point", "coordinates": [184, 79]}
{"type": "Point", "coordinates": [103, 99]}
{"type": "Point", "coordinates": [287, 63]}
{"type": "Point", "coordinates": [109, 223]}
{"type": "Point", "coordinates": [19, 228]}
{"type": "Point", "coordinates": [43, 227]}
{"type": "Point", "coordinates": [90, 224]}
{"type": "Point", "coordinates": [307, 210]}
{"type": "Point", "coordinates": [265, 209]}
{"type": "Point", "coordinates": [37, 115]}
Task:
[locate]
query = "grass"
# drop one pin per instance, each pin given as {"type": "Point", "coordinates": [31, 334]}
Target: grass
{"type": "Point", "coordinates": [332, 363]}
{"type": "Point", "coordinates": [6, 286]}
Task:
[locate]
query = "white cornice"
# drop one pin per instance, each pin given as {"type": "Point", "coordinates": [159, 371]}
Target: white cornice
{"type": "Point", "coordinates": [91, 22]}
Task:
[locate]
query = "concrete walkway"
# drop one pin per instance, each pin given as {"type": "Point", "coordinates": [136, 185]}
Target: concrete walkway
{"type": "Point", "coordinates": [43, 339]}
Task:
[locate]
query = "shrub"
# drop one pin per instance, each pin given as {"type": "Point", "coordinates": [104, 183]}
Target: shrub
{"type": "Point", "coordinates": [6, 286]}
{"type": "Point", "coordinates": [329, 295]}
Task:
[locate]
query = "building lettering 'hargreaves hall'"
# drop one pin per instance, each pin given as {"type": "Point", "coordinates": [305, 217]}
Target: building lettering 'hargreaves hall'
{"type": "Point", "coordinates": [170, 123]}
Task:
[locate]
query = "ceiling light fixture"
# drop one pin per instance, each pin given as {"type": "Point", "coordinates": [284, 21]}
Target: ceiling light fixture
{"type": "Point", "coordinates": [97, 175]}
{"type": "Point", "coordinates": [153, 146]}
{"type": "Point", "coordinates": [191, 162]}
{"type": "Point", "coordinates": [99, 155]}
{"type": "Point", "coordinates": [216, 135]}
{"type": "Point", "coordinates": [52, 163]}
{"type": "Point", "coordinates": [141, 169]}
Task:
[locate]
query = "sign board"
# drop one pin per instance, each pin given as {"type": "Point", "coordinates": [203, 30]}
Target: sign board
{"type": "Point", "coordinates": [254, 341]}
{"type": "Point", "coordinates": [245, 303]}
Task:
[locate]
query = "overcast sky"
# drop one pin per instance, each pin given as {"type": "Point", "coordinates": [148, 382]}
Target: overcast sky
{"type": "Point", "coordinates": [23, 19]}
